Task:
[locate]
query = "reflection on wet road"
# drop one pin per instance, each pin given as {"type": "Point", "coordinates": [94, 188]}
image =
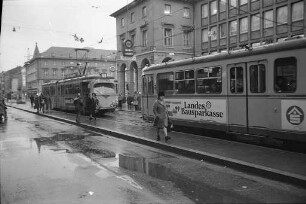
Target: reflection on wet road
{"type": "Point", "coordinates": [48, 162]}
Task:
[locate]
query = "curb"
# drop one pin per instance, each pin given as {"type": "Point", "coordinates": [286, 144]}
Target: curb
{"type": "Point", "coordinates": [249, 168]}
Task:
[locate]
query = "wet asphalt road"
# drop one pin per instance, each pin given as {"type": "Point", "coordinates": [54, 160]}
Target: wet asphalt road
{"type": "Point", "coordinates": [46, 161]}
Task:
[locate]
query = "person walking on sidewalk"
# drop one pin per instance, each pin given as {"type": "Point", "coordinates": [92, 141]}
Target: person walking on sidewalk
{"type": "Point", "coordinates": [32, 100]}
{"type": "Point", "coordinates": [90, 106]}
{"type": "Point", "coordinates": [95, 104]}
{"type": "Point", "coordinates": [161, 116]}
{"type": "Point", "coordinates": [78, 107]}
{"type": "Point", "coordinates": [36, 103]}
{"type": "Point", "coordinates": [120, 100]}
{"type": "Point", "coordinates": [135, 100]}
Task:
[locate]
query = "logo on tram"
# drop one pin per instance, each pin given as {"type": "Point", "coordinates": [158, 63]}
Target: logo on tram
{"type": "Point", "coordinates": [295, 115]}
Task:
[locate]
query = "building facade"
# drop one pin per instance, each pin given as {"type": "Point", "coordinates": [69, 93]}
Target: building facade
{"type": "Point", "coordinates": [160, 31]}
{"type": "Point", "coordinates": [62, 62]}
{"type": "Point", "coordinates": [163, 30]}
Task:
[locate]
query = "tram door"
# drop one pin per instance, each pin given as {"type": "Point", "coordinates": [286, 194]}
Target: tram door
{"type": "Point", "coordinates": [237, 98]}
{"type": "Point", "coordinates": [147, 96]}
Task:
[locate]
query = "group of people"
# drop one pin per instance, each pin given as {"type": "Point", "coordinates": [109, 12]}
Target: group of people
{"type": "Point", "coordinates": [91, 103]}
{"type": "Point", "coordinates": [41, 102]}
{"type": "Point", "coordinates": [134, 100]}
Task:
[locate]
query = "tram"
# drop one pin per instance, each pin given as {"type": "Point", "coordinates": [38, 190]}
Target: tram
{"type": "Point", "coordinates": [256, 92]}
{"type": "Point", "coordinates": [63, 92]}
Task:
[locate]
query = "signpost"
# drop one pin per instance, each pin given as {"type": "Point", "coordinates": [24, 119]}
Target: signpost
{"type": "Point", "coordinates": [128, 48]}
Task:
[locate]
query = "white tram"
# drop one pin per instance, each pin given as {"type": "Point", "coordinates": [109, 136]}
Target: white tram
{"type": "Point", "coordinates": [63, 92]}
{"type": "Point", "coordinates": [259, 92]}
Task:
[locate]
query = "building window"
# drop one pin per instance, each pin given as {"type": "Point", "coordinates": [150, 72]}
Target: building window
{"type": "Point", "coordinates": [233, 3]}
{"type": "Point", "coordinates": [46, 73]}
{"type": "Point", "coordinates": [54, 62]}
{"type": "Point", "coordinates": [132, 17]}
{"type": "Point", "coordinates": [236, 80]}
{"type": "Point", "coordinates": [204, 11]}
{"type": "Point", "coordinates": [268, 19]}
{"type": "Point", "coordinates": [213, 33]}
{"type": "Point", "coordinates": [186, 12]}
{"type": "Point", "coordinates": [205, 35]}
{"type": "Point", "coordinates": [144, 38]}
{"type": "Point", "coordinates": [222, 5]}
{"type": "Point", "coordinates": [255, 22]}
{"type": "Point", "coordinates": [132, 37]}
{"type": "Point", "coordinates": [144, 11]}
{"type": "Point", "coordinates": [257, 78]}
{"type": "Point", "coordinates": [242, 2]}
{"type": "Point", "coordinates": [186, 36]}
{"type": "Point", "coordinates": [282, 15]}
{"type": "Point", "coordinates": [213, 8]}
{"type": "Point", "coordinates": [233, 28]}
{"type": "Point", "coordinates": [63, 73]}
{"type": "Point", "coordinates": [167, 10]}
{"type": "Point", "coordinates": [168, 37]}
{"type": "Point", "coordinates": [209, 80]}
{"type": "Point", "coordinates": [54, 73]}
{"type": "Point", "coordinates": [46, 62]}
{"type": "Point", "coordinates": [223, 30]}
{"type": "Point", "coordinates": [285, 74]}
{"type": "Point", "coordinates": [63, 63]}
{"type": "Point", "coordinates": [297, 11]}
{"type": "Point", "coordinates": [243, 25]}
{"type": "Point", "coordinates": [122, 21]}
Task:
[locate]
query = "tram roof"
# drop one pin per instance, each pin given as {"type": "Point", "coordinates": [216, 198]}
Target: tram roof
{"type": "Point", "coordinates": [269, 48]}
{"type": "Point", "coordinates": [81, 78]}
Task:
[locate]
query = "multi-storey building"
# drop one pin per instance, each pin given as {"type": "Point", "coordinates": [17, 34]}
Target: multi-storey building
{"type": "Point", "coordinates": [163, 30]}
{"type": "Point", "coordinates": [160, 31]}
{"type": "Point", "coordinates": [61, 62]}
{"type": "Point", "coordinates": [13, 83]}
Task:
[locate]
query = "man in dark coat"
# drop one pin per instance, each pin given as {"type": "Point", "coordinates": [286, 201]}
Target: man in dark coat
{"type": "Point", "coordinates": [78, 107]}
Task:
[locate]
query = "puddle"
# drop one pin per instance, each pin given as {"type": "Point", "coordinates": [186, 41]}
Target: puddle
{"type": "Point", "coordinates": [197, 191]}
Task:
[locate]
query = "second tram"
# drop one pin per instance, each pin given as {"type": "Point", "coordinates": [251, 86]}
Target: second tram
{"type": "Point", "coordinates": [63, 92]}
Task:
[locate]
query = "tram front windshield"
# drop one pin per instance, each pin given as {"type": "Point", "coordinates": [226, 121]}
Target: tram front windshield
{"type": "Point", "coordinates": [104, 88]}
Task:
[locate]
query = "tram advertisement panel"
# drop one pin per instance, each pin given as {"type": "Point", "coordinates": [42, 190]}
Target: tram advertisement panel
{"type": "Point", "coordinates": [293, 115]}
{"type": "Point", "coordinates": [197, 109]}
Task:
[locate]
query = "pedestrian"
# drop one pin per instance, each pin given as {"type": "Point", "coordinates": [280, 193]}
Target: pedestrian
{"type": "Point", "coordinates": [32, 99]}
{"type": "Point", "coordinates": [78, 104]}
{"type": "Point", "coordinates": [95, 105]}
{"type": "Point", "coordinates": [47, 102]}
{"type": "Point", "coordinates": [120, 100]}
{"type": "Point", "coordinates": [3, 107]}
{"type": "Point", "coordinates": [36, 103]}
{"type": "Point", "coordinates": [135, 100]}
{"type": "Point", "coordinates": [42, 102]}
{"type": "Point", "coordinates": [139, 100]}
{"type": "Point", "coordinates": [161, 116]}
{"type": "Point", "coordinates": [90, 105]}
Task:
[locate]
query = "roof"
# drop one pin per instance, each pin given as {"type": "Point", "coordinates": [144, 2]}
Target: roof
{"type": "Point", "coordinates": [128, 6]}
{"type": "Point", "coordinates": [68, 52]}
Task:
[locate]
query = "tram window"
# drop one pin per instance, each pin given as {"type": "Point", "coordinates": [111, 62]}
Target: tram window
{"type": "Point", "coordinates": [104, 88]}
{"type": "Point", "coordinates": [52, 90]}
{"type": "Point", "coordinates": [285, 72]}
{"type": "Point", "coordinates": [209, 80]}
{"type": "Point", "coordinates": [184, 82]}
{"type": "Point", "coordinates": [236, 79]}
{"type": "Point", "coordinates": [165, 82]}
{"type": "Point", "coordinates": [257, 78]}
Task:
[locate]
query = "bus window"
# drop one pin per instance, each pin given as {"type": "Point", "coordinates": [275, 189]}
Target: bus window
{"type": "Point", "coordinates": [257, 78]}
{"type": "Point", "coordinates": [184, 82]}
{"type": "Point", "coordinates": [285, 72]}
{"type": "Point", "coordinates": [236, 79]}
{"type": "Point", "coordinates": [165, 82]}
{"type": "Point", "coordinates": [209, 80]}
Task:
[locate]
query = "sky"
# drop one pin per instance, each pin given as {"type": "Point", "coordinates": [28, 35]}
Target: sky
{"type": "Point", "coordinates": [52, 23]}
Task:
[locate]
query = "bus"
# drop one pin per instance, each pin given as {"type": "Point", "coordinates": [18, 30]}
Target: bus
{"type": "Point", "coordinates": [259, 91]}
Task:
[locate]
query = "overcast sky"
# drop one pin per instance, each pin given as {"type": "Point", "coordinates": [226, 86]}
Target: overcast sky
{"type": "Point", "coordinates": [52, 23]}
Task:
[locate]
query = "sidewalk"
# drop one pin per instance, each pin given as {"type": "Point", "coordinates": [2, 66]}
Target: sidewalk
{"type": "Point", "coordinates": [266, 162]}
